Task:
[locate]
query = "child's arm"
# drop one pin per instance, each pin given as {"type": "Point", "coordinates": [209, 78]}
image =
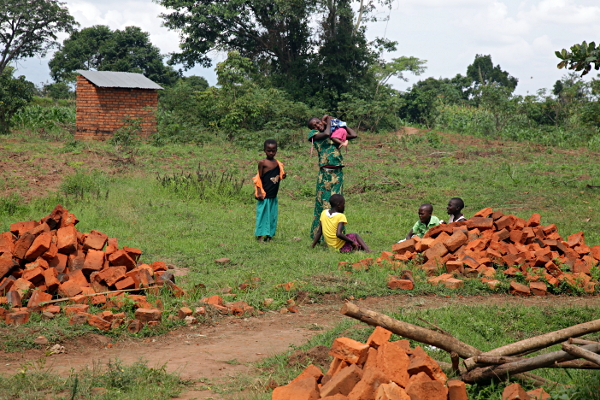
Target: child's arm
{"type": "Point", "coordinates": [410, 234]}
{"type": "Point", "coordinates": [351, 134]}
{"type": "Point", "coordinates": [317, 236]}
{"type": "Point", "coordinates": [340, 235]}
{"type": "Point", "coordinates": [261, 165]}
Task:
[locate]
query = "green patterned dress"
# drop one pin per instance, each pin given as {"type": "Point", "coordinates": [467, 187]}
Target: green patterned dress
{"type": "Point", "coordinates": [331, 176]}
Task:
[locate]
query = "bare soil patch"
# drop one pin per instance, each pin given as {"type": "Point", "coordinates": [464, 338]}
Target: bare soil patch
{"type": "Point", "coordinates": [227, 349]}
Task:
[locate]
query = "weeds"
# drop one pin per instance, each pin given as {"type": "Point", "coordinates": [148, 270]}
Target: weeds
{"type": "Point", "coordinates": [205, 185]}
{"type": "Point", "coordinates": [82, 185]}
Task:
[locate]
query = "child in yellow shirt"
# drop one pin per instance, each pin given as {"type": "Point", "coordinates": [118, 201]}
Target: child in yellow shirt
{"type": "Point", "coordinates": [331, 226]}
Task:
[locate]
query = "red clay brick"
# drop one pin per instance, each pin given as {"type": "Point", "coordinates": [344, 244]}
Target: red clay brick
{"type": "Point", "coordinates": [126, 283]}
{"type": "Point", "coordinates": [368, 385]}
{"type": "Point", "coordinates": [213, 300]}
{"type": "Point", "coordinates": [34, 275]}
{"type": "Point", "coordinates": [18, 228]}
{"type": "Point", "coordinates": [112, 246]}
{"type": "Point", "coordinates": [393, 361]}
{"type": "Point", "coordinates": [17, 318]}
{"type": "Point", "coordinates": [378, 337]}
{"type": "Point", "coordinates": [112, 275]}
{"type": "Point", "coordinates": [457, 390]}
{"type": "Point", "coordinates": [37, 296]}
{"type": "Point", "coordinates": [98, 322]}
{"type": "Point", "coordinates": [95, 240]}
{"type": "Point", "coordinates": [22, 245]}
{"type": "Point", "coordinates": [135, 326]}
{"type": "Point", "coordinates": [305, 389]}
{"type": "Point", "coordinates": [402, 247]}
{"type": "Point", "coordinates": [76, 309]}
{"type": "Point", "coordinates": [148, 314]}
{"type": "Point", "coordinates": [69, 289]}
{"type": "Point", "coordinates": [6, 265]}
{"type": "Point", "coordinates": [120, 257]}
{"type": "Point", "coordinates": [349, 350]}
{"type": "Point", "coordinates": [343, 381]}
{"type": "Point", "coordinates": [486, 212]}
{"type": "Point", "coordinates": [404, 284]}
{"type": "Point", "coordinates": [22, 286]}
{"type": "Point", "coordinates": [66, 239]}
{"type": "Point", "coordinates": [421, 362]}
{"type": "Point", "coordinates": [576, 239]}
{"type": "Point", "coordinates": [538, 394]}
{"type": "Point", "coordinates": [94, 261]}
{"type": "Point", "coordinates": [76, 260]}
{"type": "Point", "coordinates": [480, 223]}
{"type": "Point", "coordinates": [437, 251]}
{"type": "Point", "coordinates": [432, 390]}
{"type": "Point", "coordinates": [457, 239]}
{"type": "Point", "coordinates": [519, 289]}
{"type": "Point", "coordinates": [514, 392]}
{"type": "Point", "coordinates": [391, 391]}
{"type": "Point", "coordinates": [453, 283]}
{"type": "Point", "coordinates": [311, 371]}
{"type": "Point", "coordinates": [40, 245]}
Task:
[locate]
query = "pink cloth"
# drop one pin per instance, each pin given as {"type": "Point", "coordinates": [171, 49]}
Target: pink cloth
{"type": "Point", "coordinates": [340, 133]}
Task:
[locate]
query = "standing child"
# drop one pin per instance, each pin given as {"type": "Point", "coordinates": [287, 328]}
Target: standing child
{"type": "Point", "coordinates": [340, 132]}
{"type": "Point", "coordinates": [425, 222]}
{"type": "Point", "coordinates": [266, 182]}
{"type": "Point", "coordinates": [454, 209]}
{"type": "Point", "coordinates": [332, 227]}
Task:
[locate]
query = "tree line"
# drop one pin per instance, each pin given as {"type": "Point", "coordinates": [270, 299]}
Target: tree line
{"type": "Point", "coordinates": [287, 60]}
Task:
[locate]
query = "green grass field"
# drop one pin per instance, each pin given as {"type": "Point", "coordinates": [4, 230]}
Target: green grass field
{"type": "Point", "coordinates": [386, 179]}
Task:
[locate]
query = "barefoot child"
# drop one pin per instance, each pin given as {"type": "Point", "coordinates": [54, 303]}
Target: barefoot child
{"type": "Point", "coordinates": [266, 182]}
{"type": "Point", "coordinates": [332, 226]}
{"type": "Point", "coordinates": [426, 221]}
{"type": "Point", "coordinates": [340, 133]}
{"type": "Point", "coordinates": [454, 209]}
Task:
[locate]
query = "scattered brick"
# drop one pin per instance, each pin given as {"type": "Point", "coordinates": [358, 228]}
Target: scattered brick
{"type": "Point", "coordinates": [514, 392]}
{"type": "Point", "coordinates": [17, 318]}
{"type": "Point", "coordinates": [349, 350]}
{"type": "Point", "coordinates": [148, 314]}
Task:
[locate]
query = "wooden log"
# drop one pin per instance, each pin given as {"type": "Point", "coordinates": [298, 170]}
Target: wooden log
{"type": "Point", "coordinates": [581, 353]}
{"type": "Point", "coordinates": [524, 365]}
{"type": "Point", "coordinates": [581, 341]}
{"type": "Point", "coordinates": [455, 359]}
{"type": "Point", "coordinates": [410, 331]}
{"type": "Point", "coordinates": [540, 342]}
{"type": "Point", "coordinates": [498, 360]}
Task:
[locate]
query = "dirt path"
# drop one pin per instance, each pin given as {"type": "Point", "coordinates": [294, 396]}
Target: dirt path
{"type": "Point", "coordinates": [227, 349]}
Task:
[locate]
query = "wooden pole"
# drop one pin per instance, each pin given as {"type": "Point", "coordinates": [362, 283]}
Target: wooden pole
{"type": "Point", "coordinates": [43, 303]}
{"type": "Point", "coordinates": [540, 342]}
{"type": "Point", "coordinates": [524, 365]}
{"type": "Point", "coordinates": [410, 331]}
{"type": "Point", "coordinates": [581, 341]}
{"type": "Point", "coordinates": [581, 353]}
{"type": "Point", "coordinates": [498, 360]}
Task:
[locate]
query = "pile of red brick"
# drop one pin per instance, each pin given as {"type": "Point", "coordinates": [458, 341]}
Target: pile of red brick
{"type": "Point", "coordinates": [473, 247]}
{"type": "Point", "coordinates": [49, 259]}
{"type": "Point", "coordinates": [377, 370]}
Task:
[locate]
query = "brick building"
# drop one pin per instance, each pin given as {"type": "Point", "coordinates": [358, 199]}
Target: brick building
{"type": "Point", "coordinates": [105, 99]}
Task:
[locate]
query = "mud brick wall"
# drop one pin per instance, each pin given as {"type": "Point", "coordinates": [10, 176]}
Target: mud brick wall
{"type": "Point", "coordinates": [101, 111]}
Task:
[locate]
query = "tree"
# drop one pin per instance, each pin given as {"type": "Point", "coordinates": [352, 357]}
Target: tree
{"type": "Point", "coordinates": [99, 48]}
{"type": "Point", "coordinates": [483, 72]}
{"type": "Point", "coordinates": [580, 58]}
{"type": "Point", "coordinates": [29, 28]}
{"type": "Point", "coordinates": [15, 93]}
{"type": "Point", "coordinates": [315, 50]}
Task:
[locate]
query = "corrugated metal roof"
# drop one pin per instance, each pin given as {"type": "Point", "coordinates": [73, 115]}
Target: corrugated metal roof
{"type": "Point", "coordinates": [118, 79]}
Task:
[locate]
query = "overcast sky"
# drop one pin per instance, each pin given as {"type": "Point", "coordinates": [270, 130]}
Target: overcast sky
{"type": "Point", "coordinates": [520, 35]}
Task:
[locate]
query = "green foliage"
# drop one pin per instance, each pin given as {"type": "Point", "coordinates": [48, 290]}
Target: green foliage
{"type": "Point", "coordinates": [36, 381]}
{"type": "Point", "coordinates": [241, 110]}
{"type": "Point", "coordinates": [15, 93]}
{"type": "Point", "coordinates": [11, 204]}
{"type": "Point", "coordinates": [29, 28]}
{"type": "Point", "coordinates": [483, 72]}
{"type": "Point", "coordinates": [580, 57]}
{"type": "Point", "coordinates": [50, 121]}
{"type": "Point", "coordinates": [100, 48]}
{"type": "Point", "coordinates": [58, 90]}
{"type": "Point", "coordinates": [82, 185]}
{"type": "Point", "coordinates": [205, 185]}
{"type": "Point", "coordinates": [128, 135]}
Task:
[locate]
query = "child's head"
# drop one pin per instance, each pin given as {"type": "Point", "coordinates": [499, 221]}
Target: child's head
{"type": "Point", "coordinates": [455, 205]}
{"type": "Point", "coordinates": [270, 148]}
{"type": "Point", "coordinates": [316, 123]}
{"type": "Point", "coordinates": [337, 202]}
{"type": "Point", "coordinates": [425, 212]}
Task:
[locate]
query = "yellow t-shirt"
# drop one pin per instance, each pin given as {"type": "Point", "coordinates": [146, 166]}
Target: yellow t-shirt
{"type": "Point", "coordinates": [329, 224]}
